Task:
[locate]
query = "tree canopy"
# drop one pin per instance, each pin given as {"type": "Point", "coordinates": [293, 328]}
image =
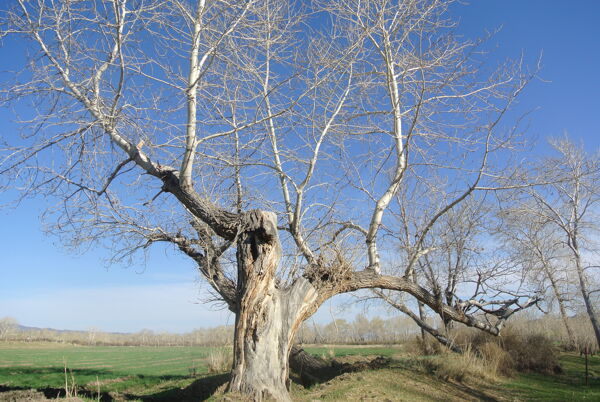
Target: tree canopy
{"type": "Point", "coordinates": [294, 151]}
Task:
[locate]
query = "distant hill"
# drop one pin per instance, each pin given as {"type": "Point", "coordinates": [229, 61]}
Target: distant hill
{"type": "Point", "coordinates": [25, 328]}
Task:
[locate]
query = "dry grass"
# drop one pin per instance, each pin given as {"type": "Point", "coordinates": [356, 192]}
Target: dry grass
{"type": "Point", "coordinates": [220, 360]}
{"type": "Point", "coordinates": [489, 357]}
{"type": "Point", "coordinates": [498, 361]}
{"type": "Point", "coordinates": [424, 347]}
{"type": "Point", "coordinates": [329, 354]}
{"type": "Point", "coordinates": [469, 365]}
{"type": "Point", "coordinates": [405, 381]}
{"type": "Point", "coordinates": [514, 350]}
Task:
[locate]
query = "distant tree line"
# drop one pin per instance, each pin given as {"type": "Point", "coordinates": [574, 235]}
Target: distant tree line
{"type": "Point", "coordinates": [360, 331]}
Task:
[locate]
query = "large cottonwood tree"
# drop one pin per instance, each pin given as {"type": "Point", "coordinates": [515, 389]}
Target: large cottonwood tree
{"type": "Point", "coordinates": [265, 139]}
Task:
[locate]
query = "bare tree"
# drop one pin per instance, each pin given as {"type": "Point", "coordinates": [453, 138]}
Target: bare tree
{"type": "Point", "coordinates": [7, 326]}
{"type": "Point", "coordinates": [534, 244]}
{"type": "Point", "coordinates": [465, 263]}
{"type": "Point", "coordinates": [568, 205]}
{"type": "Point", "coordinates": [279, 130]}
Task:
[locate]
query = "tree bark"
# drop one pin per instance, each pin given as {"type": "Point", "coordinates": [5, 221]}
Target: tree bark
{"type": "Point", "coordinates": [267, 317]}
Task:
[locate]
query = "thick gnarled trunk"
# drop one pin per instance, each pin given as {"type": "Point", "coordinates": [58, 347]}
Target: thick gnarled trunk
{"type": "Point", "coordinates": [261, 349]}
{"type": "Point", "coordinates": [267, 317]}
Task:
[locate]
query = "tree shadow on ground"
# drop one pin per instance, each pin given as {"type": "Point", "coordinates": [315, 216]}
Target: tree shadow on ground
{"type": "Point", "coordinates": [318, 370]}
{"type": "Point", "coordinates": [88, 390]}
{"type": "Point", "coordinates": [414, 370]}
{"type": "Point", "coordinates": [199, 390]}
{"type": "Point", "coordinates": [51, 393]}
{"type": "Point", "coordinates": [474, 392]}
{"type": "Point", "coordinates": [205, 387]}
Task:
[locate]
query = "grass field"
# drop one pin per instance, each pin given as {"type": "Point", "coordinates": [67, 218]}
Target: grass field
{"type": "Point", "coordinates": [180, 374]}
{"type": "Point", "coordinates": [569, 386]}
{"type": "Point", "coordinates": [111, 369]}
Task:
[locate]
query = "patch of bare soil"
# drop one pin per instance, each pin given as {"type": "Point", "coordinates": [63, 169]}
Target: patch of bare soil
{"type": "Point", "coordinates": [30, 395]}
{"type": "Point", "coordinates": [16, 396]}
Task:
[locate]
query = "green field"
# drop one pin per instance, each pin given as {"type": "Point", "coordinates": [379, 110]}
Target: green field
{"type": "Point", "coordinates": [137, 370]}
{"type": "Point", "coordinates": [180, 374]}
{"type": "Point", "coordinates": [359, 350]}
{"type": "Point", "coordinates": [569, 386]}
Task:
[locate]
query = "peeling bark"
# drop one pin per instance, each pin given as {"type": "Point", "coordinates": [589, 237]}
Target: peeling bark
{"type": "Point", "coordinates": [267, 317]}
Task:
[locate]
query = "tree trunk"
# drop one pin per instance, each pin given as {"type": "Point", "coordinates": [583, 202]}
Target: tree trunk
{"type": "Point", "coordinates": [561, 305]}
{"type": "Point", "coordinates": [267, 317]}
{"type": "Point", "coordinates": [590, 308]}
{"type": "Point", "coordinates": [311, 369]}
{"type": "Point", "coordinates": [261, 348]}
{"type": "Point", "coordinates": [441, 338]}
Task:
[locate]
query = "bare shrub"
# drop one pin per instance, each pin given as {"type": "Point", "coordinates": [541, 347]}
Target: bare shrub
{"type": "Point", "coordinates": [219, 360]}
{"type": "Point", "coordinates": [532, 352]}
{"type": "Point", "coordinates": [518, 348]}
{"type": "Point", "coordinates": [553, 328]}
{"type": "Point", "coordinates": [523, 350]}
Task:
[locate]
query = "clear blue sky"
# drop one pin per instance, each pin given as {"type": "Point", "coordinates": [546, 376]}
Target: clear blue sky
{"type": "Point", "coordinates": [42, 285]}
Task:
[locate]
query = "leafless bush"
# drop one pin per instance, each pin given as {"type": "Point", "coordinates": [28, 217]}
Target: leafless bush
{"type": "Point", "coordinates": [523, 351]}
{"type": "Point", "coordinates": [532, 352]}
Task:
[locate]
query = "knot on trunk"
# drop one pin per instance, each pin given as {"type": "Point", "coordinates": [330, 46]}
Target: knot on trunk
{"type": "Point", "coordinates": [170, 179]}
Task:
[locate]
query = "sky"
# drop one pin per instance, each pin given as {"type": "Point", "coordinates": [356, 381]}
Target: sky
{"type": "Point", "coordinates": [43, 285]}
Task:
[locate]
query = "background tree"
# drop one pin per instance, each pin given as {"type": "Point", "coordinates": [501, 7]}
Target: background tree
{"type": "Point", "coordinates": [266, 140]}
{"type": "Point", "coordinates": [7, 326]}
{"type": "Point", "coordinates": [534, 244]}
{"type": "Point", "coordinates": [568, 206]}
{"type": "Point", "coordinates": [464, 261]}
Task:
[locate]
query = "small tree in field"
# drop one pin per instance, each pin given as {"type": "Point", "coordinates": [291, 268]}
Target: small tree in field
{"type": "Point", "coordinates": [267, 140]}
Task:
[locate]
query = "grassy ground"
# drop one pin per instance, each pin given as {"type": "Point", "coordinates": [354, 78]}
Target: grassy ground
{"type": "Point", "coordinates": [569, 386]}
{"type": "Point", "coordinates": [165, 374]}
{"type": "Point", "coordinates": [131, 370]}
{"type": "Point", "coordinates": [354, 350]}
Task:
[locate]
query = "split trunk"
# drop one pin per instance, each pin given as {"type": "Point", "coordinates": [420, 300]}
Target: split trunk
{"type": "Point", "coordinates": [268, 316]}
